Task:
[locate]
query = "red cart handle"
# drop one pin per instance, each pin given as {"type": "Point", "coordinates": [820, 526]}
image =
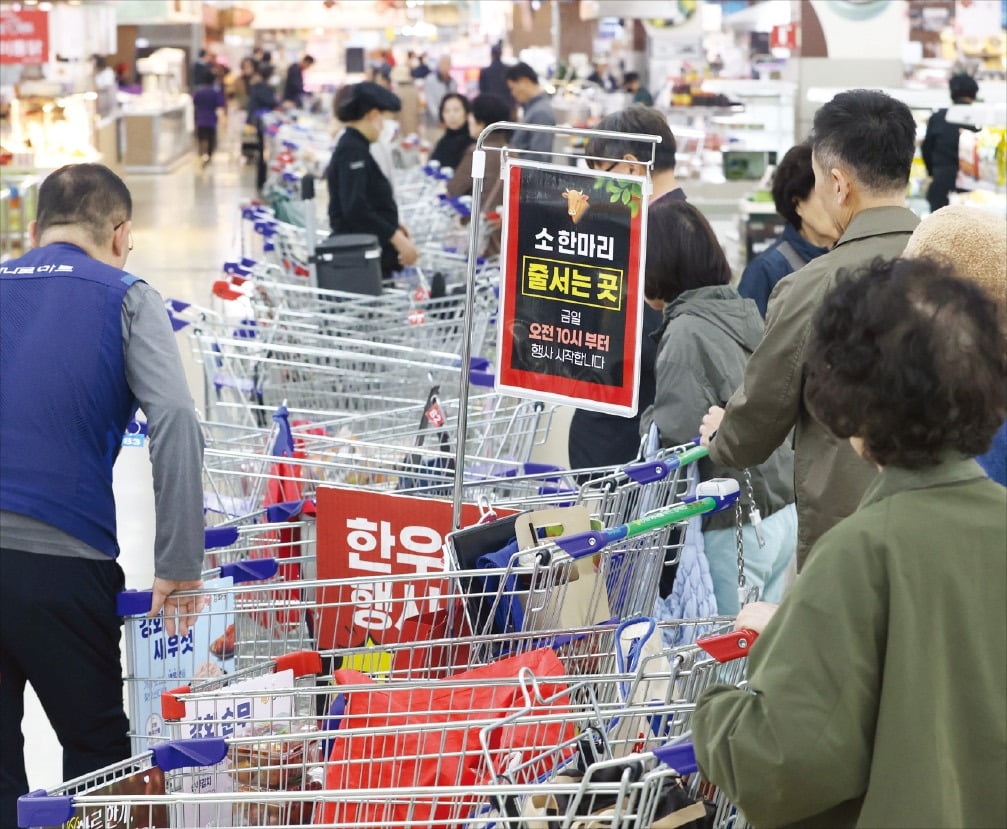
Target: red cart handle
{"type": "Point", "coordinates": [727, 646]}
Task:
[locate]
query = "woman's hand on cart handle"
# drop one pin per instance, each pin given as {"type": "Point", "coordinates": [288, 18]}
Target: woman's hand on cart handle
{"type": "Point", "coordinates": [711, 423]}
{"type": "Point", "coordinates": [408, 254]}
{"type": "Point", "coordinates": [179, 611]}
{"type": "Point", "coordinates": [755, 616]}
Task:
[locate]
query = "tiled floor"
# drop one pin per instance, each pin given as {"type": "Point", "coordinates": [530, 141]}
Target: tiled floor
{"type": "Point", "coordinates": [184, 227]}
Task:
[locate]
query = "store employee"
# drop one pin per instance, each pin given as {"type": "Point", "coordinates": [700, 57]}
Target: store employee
{"type": "Point", "coordinates": [360, 196]}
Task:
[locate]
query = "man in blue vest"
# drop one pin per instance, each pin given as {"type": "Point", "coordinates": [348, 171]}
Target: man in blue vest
{"type": "Point", "coordinates": [83, 344]}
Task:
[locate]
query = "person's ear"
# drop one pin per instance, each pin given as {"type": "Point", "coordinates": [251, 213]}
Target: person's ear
{"type": "Point", "coordinates": [840, 184]}
{"type": "Point", "coordinates": [120, 238]}
{"type": "Point", "coordinates": [33, 233]}
{"type": "Point", "coordinates": [636, 167]}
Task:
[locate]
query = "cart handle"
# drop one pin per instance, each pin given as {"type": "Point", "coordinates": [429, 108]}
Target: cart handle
{"type": "Point", "coordinates": [680, 756]}
{"type": "Point", "coordinates": [657, 470]}
{"type": "Point", "coordinates": [137, 602]}
{"type": "Point", "coordinates": [588, 543]}
{"type": "Point", "coordinates": [727, 646]}
{"type": "Point", "coordinates": [39, 808]}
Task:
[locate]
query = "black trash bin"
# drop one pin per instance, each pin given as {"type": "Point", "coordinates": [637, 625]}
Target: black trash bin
{"type": "Point", "coordinates": [349, 262]}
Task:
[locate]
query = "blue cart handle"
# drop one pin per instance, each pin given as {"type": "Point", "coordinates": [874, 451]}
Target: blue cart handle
{"type": "Point", "coordinates": [139, 602]}
{"type": "Point", "coordinates": [679, 756]}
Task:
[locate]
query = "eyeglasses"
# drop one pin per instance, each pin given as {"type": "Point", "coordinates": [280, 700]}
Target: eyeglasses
{"type": "Point", "coordinates": [607, 169]}
{"type": "Point", "coordinates": [129, 235]}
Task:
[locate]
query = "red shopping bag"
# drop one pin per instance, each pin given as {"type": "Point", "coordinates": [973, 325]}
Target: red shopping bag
{"type": "Point", "coordinates": [404, 738]}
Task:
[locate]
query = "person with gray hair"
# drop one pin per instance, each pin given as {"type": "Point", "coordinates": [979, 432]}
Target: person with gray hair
{"type": "Point", "coordinates": [84, 344]}
{"type": "Point", "coordinates": [863, 144]}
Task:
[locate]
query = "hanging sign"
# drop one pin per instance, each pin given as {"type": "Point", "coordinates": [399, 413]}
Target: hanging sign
{"type": "Point", "coordinates": [24, 36]}
{"type": "Point", "coordinates": [572, 286]}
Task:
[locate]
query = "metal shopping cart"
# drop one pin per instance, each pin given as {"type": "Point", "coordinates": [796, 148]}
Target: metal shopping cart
{"type": "Point", "coordinates": [506, 745]}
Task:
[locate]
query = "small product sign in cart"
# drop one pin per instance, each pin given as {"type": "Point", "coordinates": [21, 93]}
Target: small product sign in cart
{"type": "Point", "coordinates": [572, 286]}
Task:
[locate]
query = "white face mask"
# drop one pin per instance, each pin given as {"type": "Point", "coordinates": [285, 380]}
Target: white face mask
{"type": "Point", "coordinates": [388, 131]}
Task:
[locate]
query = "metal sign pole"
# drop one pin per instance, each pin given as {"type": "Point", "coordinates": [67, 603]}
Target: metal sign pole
{"type": "Point", "coordinates": [478, 174]}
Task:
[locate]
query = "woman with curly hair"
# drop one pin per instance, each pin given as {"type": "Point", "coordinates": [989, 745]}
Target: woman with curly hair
{"type": "Point", "coordinates": [876, 694]}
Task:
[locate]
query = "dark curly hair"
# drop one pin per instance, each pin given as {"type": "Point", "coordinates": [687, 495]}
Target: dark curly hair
{"type": "Point", "coordinates": [793, 182]}
{"type": "Point", "coordinates": [911, 359]}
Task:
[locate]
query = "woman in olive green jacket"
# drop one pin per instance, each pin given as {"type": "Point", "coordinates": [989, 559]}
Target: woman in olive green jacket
{"type": "Point", "coordinates": [877, 693]}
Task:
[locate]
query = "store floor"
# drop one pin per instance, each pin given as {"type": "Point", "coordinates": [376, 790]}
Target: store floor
{"type": "Point", "coordinates": [184, 227]}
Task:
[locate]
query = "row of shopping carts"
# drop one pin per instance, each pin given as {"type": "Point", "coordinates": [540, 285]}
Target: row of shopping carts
{"type": "Point", "coordinates": [361, 659]}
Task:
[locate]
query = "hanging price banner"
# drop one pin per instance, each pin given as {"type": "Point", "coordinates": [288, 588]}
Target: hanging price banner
{"type": "Point", "coordinates": [572, 286]}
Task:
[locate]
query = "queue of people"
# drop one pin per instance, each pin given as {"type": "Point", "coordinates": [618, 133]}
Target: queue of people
{"type": "Point", "coordinates": [855, 383]}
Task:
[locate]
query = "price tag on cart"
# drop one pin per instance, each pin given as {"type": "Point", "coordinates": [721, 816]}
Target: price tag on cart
{"type": "Point", "coordinates": [572, 286]}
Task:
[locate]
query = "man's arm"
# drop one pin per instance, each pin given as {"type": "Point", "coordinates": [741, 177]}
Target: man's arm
{"type": "Point", "coordinates": [156, 377]}
{"type": "Point", "coordinates": [761, 413]}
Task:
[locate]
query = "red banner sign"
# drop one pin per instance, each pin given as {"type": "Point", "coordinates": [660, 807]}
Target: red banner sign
{"type": "Point", "coordinates": [376, 536]}
{"type": "Point", "coordinates": [24, 36]}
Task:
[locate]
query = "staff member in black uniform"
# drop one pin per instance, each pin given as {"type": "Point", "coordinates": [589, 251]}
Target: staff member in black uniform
{"type": "Point", "coordinates": [360, 196]}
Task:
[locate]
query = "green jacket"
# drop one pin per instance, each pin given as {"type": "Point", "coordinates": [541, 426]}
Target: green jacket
{"type": "Point", "coordinates": [877, 694]}
{"type": "Point", "coordinates": [829, 477]}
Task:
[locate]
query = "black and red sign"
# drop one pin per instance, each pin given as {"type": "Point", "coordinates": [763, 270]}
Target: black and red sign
{"type": "Point", "coordinates": [572, 286]}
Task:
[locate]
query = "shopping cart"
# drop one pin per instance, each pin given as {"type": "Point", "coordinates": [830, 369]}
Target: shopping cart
{"type": "Point", "coordinates": [506, 745]}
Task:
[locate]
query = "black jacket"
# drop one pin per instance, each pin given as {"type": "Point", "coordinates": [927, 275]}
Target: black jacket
{"type": "Point", "coordinates": [360, 197]}
{"type": "Point", "coordinates": [293, 86]}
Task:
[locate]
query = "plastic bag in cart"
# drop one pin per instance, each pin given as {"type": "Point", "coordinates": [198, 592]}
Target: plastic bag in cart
{"type": "Point", "coordinates": [392, 745]}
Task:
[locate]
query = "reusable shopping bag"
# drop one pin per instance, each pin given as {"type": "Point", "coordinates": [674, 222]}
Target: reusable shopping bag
{"type": "Point", "coordinates": [412, 736]}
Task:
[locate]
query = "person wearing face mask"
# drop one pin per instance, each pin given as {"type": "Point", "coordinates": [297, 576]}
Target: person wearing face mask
{"type": "Point", "coordinates": [454, 115]}
{"type": "Point", "coordinates": [809, 232]}
{"type": "Point", "coordinates": [361, 199]}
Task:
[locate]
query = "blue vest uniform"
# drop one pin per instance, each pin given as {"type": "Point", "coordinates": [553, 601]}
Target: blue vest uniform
{"type": "Point", "coordinates": [64, 399]}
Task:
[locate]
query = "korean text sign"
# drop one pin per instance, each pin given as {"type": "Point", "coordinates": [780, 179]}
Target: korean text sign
{"type": "Point", "coordinates": [24, 36]}
{"type": "Point", "coordinates": [380, 538]}
{"type": "Point", "coordinates": [572, 286]}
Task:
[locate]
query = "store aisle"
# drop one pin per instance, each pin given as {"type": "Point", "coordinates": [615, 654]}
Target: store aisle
{"type": "Point", "coordinates": [184, 228]}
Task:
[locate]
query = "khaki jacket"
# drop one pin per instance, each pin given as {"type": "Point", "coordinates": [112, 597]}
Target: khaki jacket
{"type": "Point", "coordinates": [829, 477]}
{"type": "Point", "coordinates": [876, 694]}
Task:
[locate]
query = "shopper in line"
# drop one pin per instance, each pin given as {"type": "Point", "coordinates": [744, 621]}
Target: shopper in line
{"type": "Point", "coordinates": [435, 86]}
{"type": "Point", "coordinates": [84, 343]}
{"type": "Point", "coordinates": [631, 83]}
{"type": "Point", "coordinates": [360, 195]}
{"type": "Point", "coordinates": [293, 85]}
{"type": "Point", "coordinates": [974, 241]}
{"type": "Point", "coordinates": [809, 233]}
{"type": "Point", "coordinates": [493, 78]}
{"type": "Point", "coordinates": [876, 694]}
{"type": "Point", "coordinates": [536, 108]}
{"type": "Point", "coordinates": [705, 338]}
{"type": "Point", "coordinates": [862, 148]}
{"type": "Point", "coordinates": [940, 144]}
{"type": "Point", "coordinates": [454, 119]}
{"type": "Point", "coordinates": [486, 110]}
{"type": "Point", "coordinates": [598, 438]}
